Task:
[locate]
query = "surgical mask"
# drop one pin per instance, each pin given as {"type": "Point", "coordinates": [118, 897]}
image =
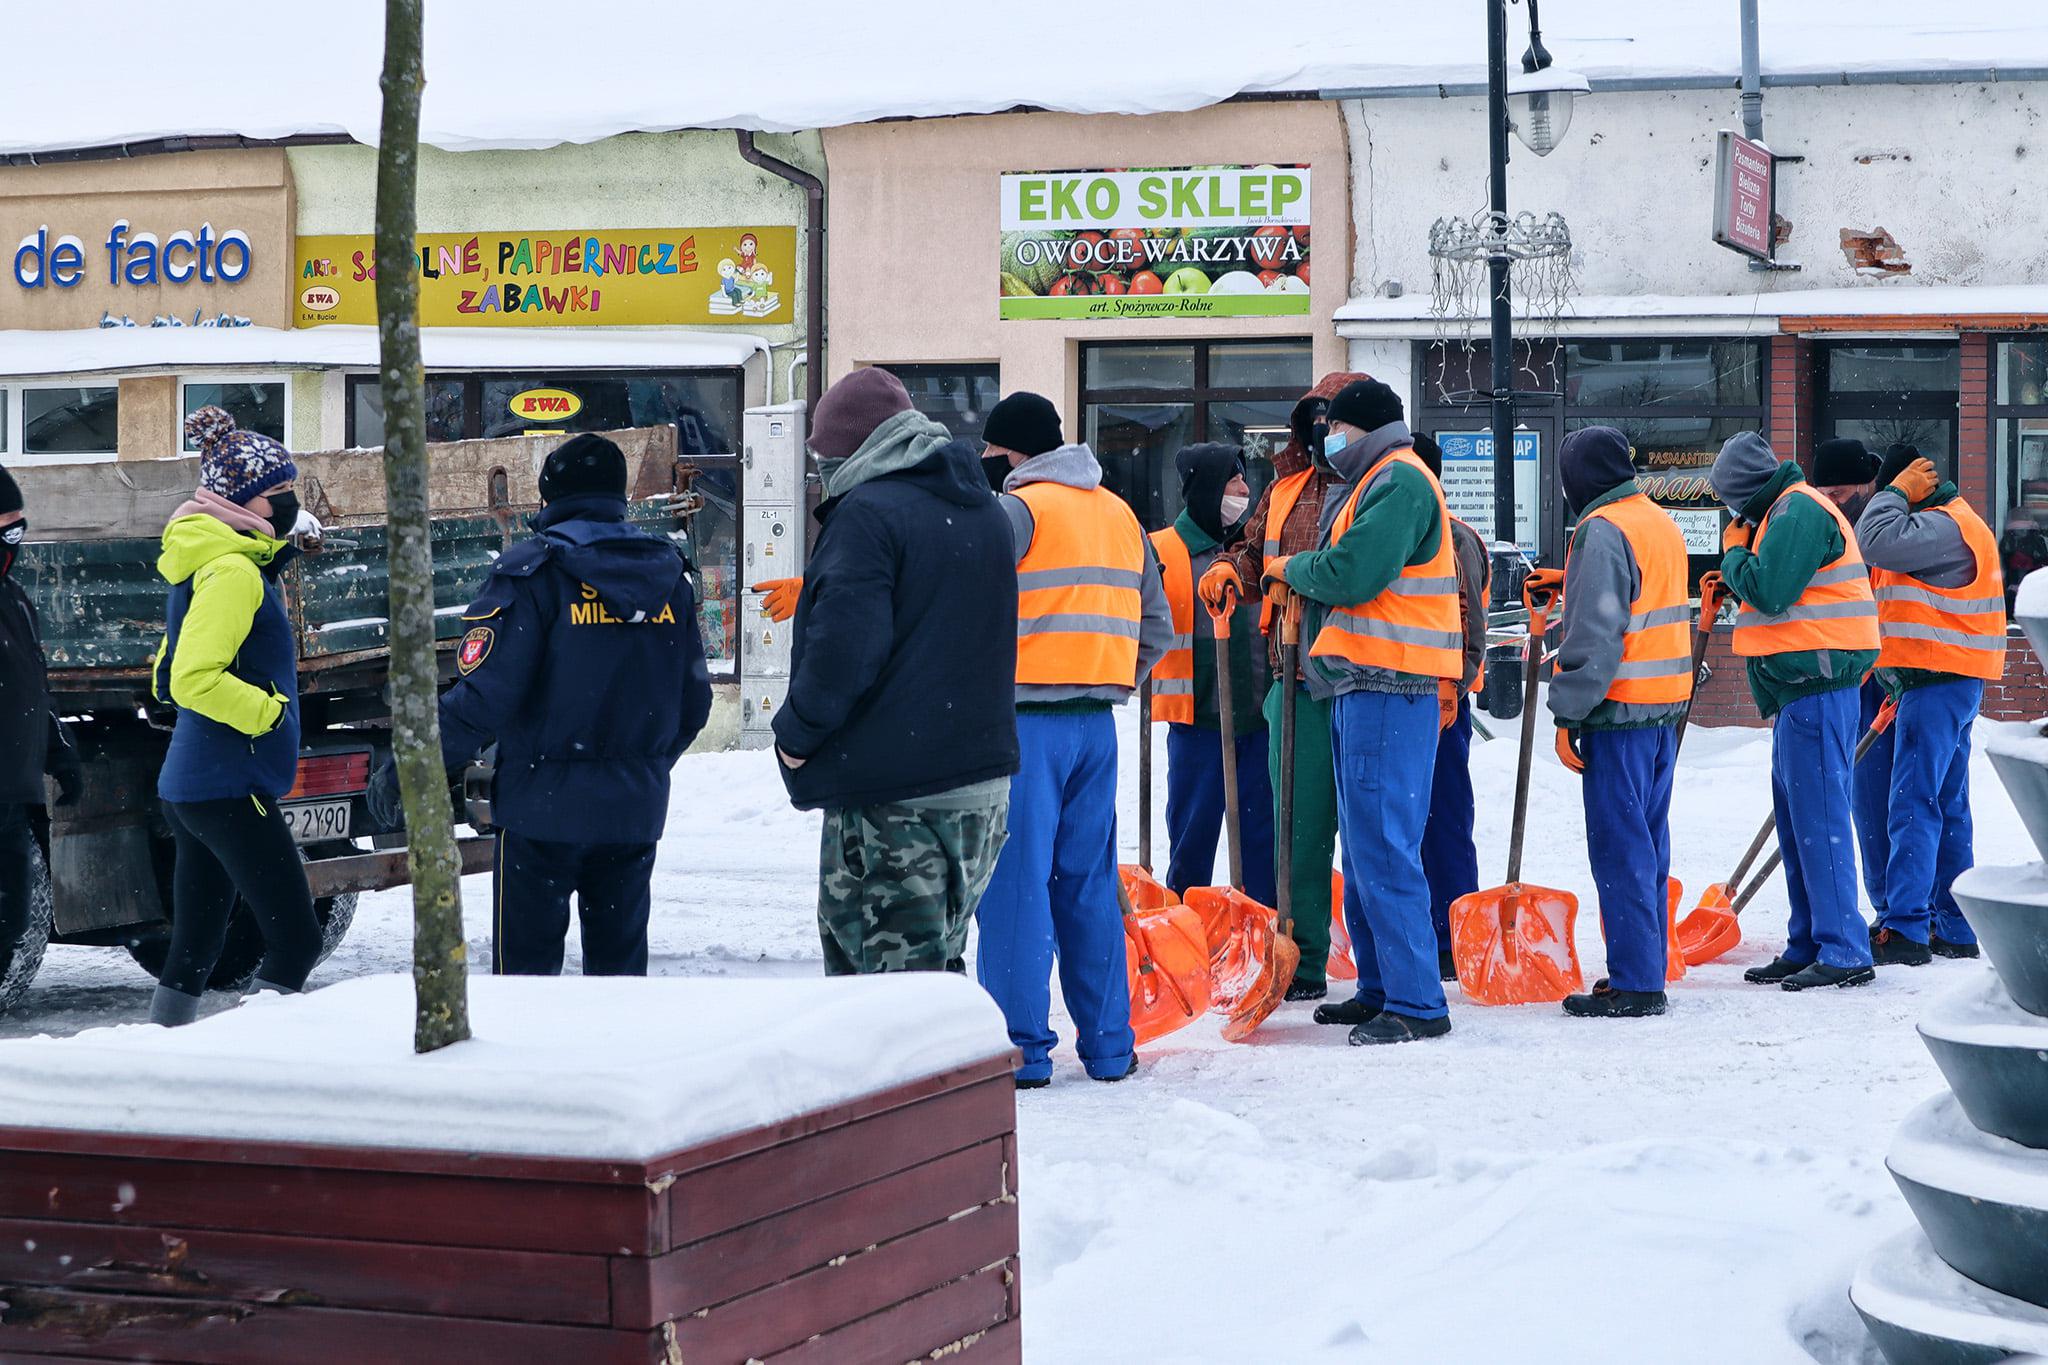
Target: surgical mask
{"type": "Point", "coordinates": [1233, 507]}
{"type": "Point", "coordinates": [11, 537]}
{"type": "Point", "coordinates": [1335, 442]}
{"type": "Point", "coordinates": [284, 513]}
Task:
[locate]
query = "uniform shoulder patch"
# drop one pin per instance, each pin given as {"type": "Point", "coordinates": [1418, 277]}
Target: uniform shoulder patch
{"type": "Point", "coordinates": [475, 648]}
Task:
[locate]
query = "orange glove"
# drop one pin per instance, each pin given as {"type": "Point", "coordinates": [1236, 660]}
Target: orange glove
{"type": "Point", "coordinates": [1917, 481]}
{"type": "Point", "coordinates": [780, 602]}
{"type": "Point", "coordinates": [1735, 536]}
{"type": "Point", "coordinates": [1220, 587]}
{"type": "Point", "coordinates": [1274, 581]}
{"type": "Point", "coordinates": [1568, 750]}
{"type": "Point", "coordinates": [1712, 591]}
{"type": "Point", "coordinates": [1541, 584]}
{"type": "Point", "coordinates": [1447, 694]}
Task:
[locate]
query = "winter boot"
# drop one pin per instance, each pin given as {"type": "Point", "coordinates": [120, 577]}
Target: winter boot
{"type": "Point", "coordinates": [1446, 966]}
{"type": "Point", "coordinates": [1389, 1027]}
{"type": "Point", "coordinates": [1127, 1073]}
{"type": "Point", "coordinates": [1772, 972]}
{"type": "Point", "coordinates": [1349, 1013]}
{"type": "Point", "coordinates": [1605, 1002]}
{"type": "Point", "coordinates": [1033, 1082]}
{"type": "Point", "coordinates": [1889, 948]}
{"type": "Point", "coordinates": [171, 1008]}
{"type": "Point", "coordinates": [1941, 947]}
{"type": "Point", "coordinates": [1307, 990]}
{"type": "Point", "coordinates": [1820, 974]}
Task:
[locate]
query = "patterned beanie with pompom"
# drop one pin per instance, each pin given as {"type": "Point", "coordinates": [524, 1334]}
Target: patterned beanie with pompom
{"type": "Point", "coordinates": [238, 465]}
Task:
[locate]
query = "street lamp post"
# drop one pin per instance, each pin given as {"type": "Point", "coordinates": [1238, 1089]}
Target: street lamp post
{"type": "Point", "coordinates": [1503, 400]}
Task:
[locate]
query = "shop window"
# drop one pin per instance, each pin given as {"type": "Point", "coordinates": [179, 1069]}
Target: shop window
{"type": "Point", "coordinates": [702, 405]}
{"type": "Point", "coordinates": [714, 548]}
{"type": "Point", "coordinates": [366, 411]}
{"type": "Point", "coordinates": [957, 397]}
{"type": "Point", "coordinates": [1627, 375]}
{"type": "Point", "coordinates": [67, 421]}
{"type": "Point", "coordinates": [1141, 402]}
{"type": "Point", "coordinates": [259, 405]}
{"type": "Point", "coordinates": [1886, 395]}
{"type": "Point", "coordinates": [2019, 424]}
{"type": "Point", "coordinates": [1457, 374]}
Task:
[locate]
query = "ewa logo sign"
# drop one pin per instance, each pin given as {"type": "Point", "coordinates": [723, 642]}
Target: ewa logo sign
{"type": "Point", "coordinates": [545, 405]}
{"type": "Point", "coordinates": [320, 298]}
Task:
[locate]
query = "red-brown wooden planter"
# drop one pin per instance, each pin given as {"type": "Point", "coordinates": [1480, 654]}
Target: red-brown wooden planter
{"type": "Point", "coordinates": [883, 1229]}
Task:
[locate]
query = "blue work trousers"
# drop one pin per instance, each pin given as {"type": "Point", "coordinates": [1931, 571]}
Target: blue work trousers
{"type": "Point", "coordinates": [1627, 791]}
{"type": "Point", "coordinates": [1927, 819]}
{"type": "Point", "coordinates": [1449, 860]}
{"type": "Point", "coordinates": [1054, 895]}
{"type": "Point", "coordinates": [1383, 745]}
{"type": "Point", "coordinates": [1194, 809]}
{"type": "Point", "coordinates": [1811, 743]}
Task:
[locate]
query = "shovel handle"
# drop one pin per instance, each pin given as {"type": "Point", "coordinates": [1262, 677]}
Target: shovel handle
{"type": "Point", "coordinates": [1539, 601]}
{"type": "Point", "coordinates": [1145, 953]}
{"type": "Point", "coordinates": [1220, 616]}
{"type": "Point", "coordinates": [1145, 774]}
{"type": "Point", "coordinates": [1226, 721]}
{"type": "Point", "coordinates": [1756, 846]}
{"type": "Point", "coordinates": [1283, 837]}
{"type": "Point", "coordinates": [1749, 892]}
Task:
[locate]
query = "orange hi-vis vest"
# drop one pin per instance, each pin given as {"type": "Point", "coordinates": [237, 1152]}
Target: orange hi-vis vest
{"type": "Point", "coordinates": [1413, 626]}
{"type": "Point", "coordinates": [1656, 654]}
{"type": "Point", "coordinates": [1836, 611]}
{"type": "Point", "coordinates": [1173, 677]}
{"type": "Point", "coordinates": [1946, 630]}
{"type": "Point", "coordinates": [1079, 589]}
{"type": "Point", "coordinates": [1280, 502]}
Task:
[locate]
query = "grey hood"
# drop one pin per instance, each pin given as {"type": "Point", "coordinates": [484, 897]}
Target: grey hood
{"type": "Point", "coordinates": [903, 442]}
{"type": "Point", "coordinates": [1073, 465]}
{"type": "Point", "coordinates": [1746, 463]}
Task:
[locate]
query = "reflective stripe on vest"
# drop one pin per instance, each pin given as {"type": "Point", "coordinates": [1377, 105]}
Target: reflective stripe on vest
{"type": "Point", "coordinates": [1173, 677]}
{"type": "Point", "coordinates": [1836, 611]}
{"type": "Point", "coordinates": [1413, 626]}
{"type": "Point", "coordinates": [1079, 589]}
{"type": "Point", "coordinates": [1656, 653]}
{"type": "Point", "coordinates": [1280, 500]}
{"type": "Point", "coordinates": [1946, 630]}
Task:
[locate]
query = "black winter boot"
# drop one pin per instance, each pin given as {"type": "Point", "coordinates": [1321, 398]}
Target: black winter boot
{"type": "Point", "coordinates": [1772, 972]}
{"type": "Point", "coordinates": [1033, 1082]}
{"type": "Point", "coordinates": [1306, 990]}
{"type": "Point", "coordinates": [1446, 966]}
{"type": "Point", "coordinates": [1128, 1072]}
{"type": "Point", "coordinates": [1605, 1002]}
{"type": "Point", "coordinates": [1889, 948]}
{"type": "Point", "coordinates": [1349, 1013]}
{"type": "Point", "coordinates": [1389, 1027]}
{"type": "Point", "coordinates": [1820, 974]}
{"type": "Point", "coordinates": [1941, 947]}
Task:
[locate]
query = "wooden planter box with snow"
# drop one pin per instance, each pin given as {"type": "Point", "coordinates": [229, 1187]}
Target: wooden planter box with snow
{"type": "Point", "coordinates": [778, 1171]}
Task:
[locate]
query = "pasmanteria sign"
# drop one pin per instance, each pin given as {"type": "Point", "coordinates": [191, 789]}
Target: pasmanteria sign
{"type": "Point", "coordinates": [1189, 241]}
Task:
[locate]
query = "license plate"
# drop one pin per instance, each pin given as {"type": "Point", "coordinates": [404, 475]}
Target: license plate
{"type": "Point", "coordinates": [313, 822]}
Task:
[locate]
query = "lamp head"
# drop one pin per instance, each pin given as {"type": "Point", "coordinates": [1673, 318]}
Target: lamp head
{"type": "Point", "coordinates": [1540, 106]}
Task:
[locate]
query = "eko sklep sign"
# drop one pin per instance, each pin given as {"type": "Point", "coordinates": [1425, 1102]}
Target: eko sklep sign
{"type": "Point", "coordinates": [590, 277]}
{"type": "Point", "coordinates": [1192, 241]}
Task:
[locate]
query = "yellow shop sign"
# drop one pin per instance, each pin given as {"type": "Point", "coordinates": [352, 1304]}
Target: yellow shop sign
{"type": "Point", "coordinates": [545, 405]}
{"type": "Point", "coordinates": [585, 277]}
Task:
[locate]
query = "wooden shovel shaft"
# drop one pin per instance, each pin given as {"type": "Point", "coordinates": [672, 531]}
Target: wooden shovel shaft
{"type": "Point", "coordinates": [1227, 723]}
{"type": "Point", "coordinates": [1701, 637]}
{"type": "Point", "coordinates": [1145, 774]}
{"type": "Point", "coordinates": [1283, 837]}
{"type": "Point", "coordinates": [1536, 631]}
{"type": "Point", "coordinates": [1756, 846]}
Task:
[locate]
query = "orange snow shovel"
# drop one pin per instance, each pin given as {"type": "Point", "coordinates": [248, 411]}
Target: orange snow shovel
{"type": "Point", "coordinates": [1256, 960]}
{"type": "Point", "coordinates": [1167, 966]}
{"type": "Point", "coordinates": [1341, 967]}
{"type": "Point", "coordinates": [1714, 926]}
{"type": "Point", "coordinates": [1513, 944]}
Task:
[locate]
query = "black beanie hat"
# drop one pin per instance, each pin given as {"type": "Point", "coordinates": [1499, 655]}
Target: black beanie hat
{"type": "Point", "coordinates": [1896, 457]}
{"type": "Point", "coordinates": [1366, 404]}
{"type": "Point", "coordinates": [1842, 460]}
{"type": "Point", "coordinates": [586, 463]}
{"type": "Point", "coordinates": [10, 493]}
{"type": "Point", "coordinates": [1430, 453]}
{"type": "Point", "coordinates": [1205, 468]}
{"type": "Point", "coordinates": [1591, 461]}
{"type": "Point", "coordinates": [1024, 422]}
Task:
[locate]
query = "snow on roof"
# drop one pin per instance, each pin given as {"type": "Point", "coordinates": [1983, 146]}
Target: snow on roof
{"type": "Point", "coordinates": [98, 350]}
{"type": "Point", "coordinates": [608, 1067]}
{"type": "Point", "coordinates": [1367, 315]}
{"type": "Point", "coordinates": [516, 73]}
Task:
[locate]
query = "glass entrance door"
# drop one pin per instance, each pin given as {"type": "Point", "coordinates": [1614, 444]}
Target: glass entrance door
{"type": "Point", "coordinates": [1886, 393]}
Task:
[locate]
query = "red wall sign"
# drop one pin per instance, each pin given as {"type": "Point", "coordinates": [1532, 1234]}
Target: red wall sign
{"type": "Point", "coordinates": [1745, 195]}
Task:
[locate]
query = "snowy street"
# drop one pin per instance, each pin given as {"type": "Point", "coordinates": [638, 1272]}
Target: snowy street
{"type": "Point", "coordinates": [1534, 1188]}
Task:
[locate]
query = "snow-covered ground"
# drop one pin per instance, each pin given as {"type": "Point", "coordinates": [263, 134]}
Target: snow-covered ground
{"type": "Point", "coordinates": [1532, 1189]}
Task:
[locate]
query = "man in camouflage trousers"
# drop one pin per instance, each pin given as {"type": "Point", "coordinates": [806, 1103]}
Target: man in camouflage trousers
{"type": "Point", "coordinates": [901, 721]}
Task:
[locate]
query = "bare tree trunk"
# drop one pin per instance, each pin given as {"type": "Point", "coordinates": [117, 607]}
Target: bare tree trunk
{"type": "Point", "coordinates": [440, 968]}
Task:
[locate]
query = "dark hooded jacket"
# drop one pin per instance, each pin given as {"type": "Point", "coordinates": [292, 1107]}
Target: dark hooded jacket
{"type": "Point", "coordinates": [582, 659]}
{"type": "Point", "coordinates": [903, 666]}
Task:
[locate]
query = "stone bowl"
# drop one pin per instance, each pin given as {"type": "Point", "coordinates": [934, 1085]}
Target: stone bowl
{"type": "Point", "coordinates": [1994, 1055]}
{"type": "Point", "coordinates": [1982, 1201]}
{"type": "Point", "coordinates": [2008, 907]}
{"type": "Point", "coordinates": [1921, 1312]}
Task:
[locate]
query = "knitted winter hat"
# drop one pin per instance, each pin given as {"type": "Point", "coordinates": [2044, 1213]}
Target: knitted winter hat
{"type": "Point", "coordinates": [1591, 461]}
{"type": "Point", "coordinates": [1746, 463]}
{"type": "Point", "coordinates": [1896, 457]}
{"type": "Point", "coordinates": [1429, 452]}
{"type": "Point", "coordinates": [238, 465]}
{"type": "Point", "coordinates": [1024, 422]}
{"type": "Point", "coordinates": [850, 410]}
{"type": "Point", "coordinates": [1841, 461]}
{"type": "Point", "coordinates": [585, 463]}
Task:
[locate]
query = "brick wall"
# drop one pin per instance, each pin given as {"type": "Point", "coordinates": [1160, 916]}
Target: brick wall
{"type": "Point", "coordinates": [2023, 694]}
{"type": "Point", "coordinates": [1791, 401]}
{"type": "Point", "coordinates": [1973, 424]}
{"type": "Point", "coordinates": [1725, 700]}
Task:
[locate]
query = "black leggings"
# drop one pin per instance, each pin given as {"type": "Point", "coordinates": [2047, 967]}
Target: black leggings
{"type": "Point", "coordinates": [17, 844]}
{"type": "Point", "coordinates": [240, 844]}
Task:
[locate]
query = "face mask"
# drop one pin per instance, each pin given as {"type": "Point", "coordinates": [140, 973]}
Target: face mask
{"type": "Point", "coordinates": [1233, 508]}
{"type": "Point", "coordinates": [996, 469]}
{"type": "Point", "coordinates": [284, 513]}
{"type": "Point", "coordinates": [10, 544]}
{"type": "Point", "coordinates": [1334, 443]}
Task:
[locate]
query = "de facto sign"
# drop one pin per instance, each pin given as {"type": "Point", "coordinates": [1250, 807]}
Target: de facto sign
{"type": "Point", "coordinates": [136, 258]}
{"type": "Point", "coordinates": [1745, 195]}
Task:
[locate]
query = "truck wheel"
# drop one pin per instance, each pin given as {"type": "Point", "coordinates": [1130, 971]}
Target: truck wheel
{"type": "Point", "coordinates": [242, 951]}
{"type": "Point", "coordinates": [20, 960]}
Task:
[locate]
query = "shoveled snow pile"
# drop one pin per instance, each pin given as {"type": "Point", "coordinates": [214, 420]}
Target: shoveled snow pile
{"type": "Point", "coordinates": [587, 1067]}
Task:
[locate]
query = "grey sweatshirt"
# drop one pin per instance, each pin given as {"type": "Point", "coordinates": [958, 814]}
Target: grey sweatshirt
{"type": "Point", "coordinates": [1925, 544]}
{"type": "Point", "coordinates": [1076, 467]}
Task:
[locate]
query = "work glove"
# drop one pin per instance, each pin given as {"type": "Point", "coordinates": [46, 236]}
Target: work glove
{"type": "Point", "coordinates": [1916, 482]}
{"type": "Point", "coordinates": [1735, 536]}
{"type": "Point", "coordinates": [1220, 586]}
{"type": "Point", "coordinates": [1543, 583]}
{"type": "Point", "coordinates": [780, 596]}
{"type": "Point", "coordinates": [1275, 573]}
{"type": "Point", "coordinates": [1447, 693]}
{"type": "Point", "coordinates": [386, 807]}
{"type": "Point", "coordinates": [1568, 750]}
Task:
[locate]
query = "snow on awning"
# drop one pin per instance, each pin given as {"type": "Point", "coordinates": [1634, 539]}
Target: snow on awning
{"type": "Point", "coordinates": [116, 350]}
{"type": "Point", "coordinates": [1925, 308]}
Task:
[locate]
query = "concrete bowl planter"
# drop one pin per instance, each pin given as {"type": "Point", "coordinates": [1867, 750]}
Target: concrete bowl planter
{"type": "Point", "coordinates": [611, 1171]}
{"type": "Point", "coordinates": [1921, 1312]}
{"type": "Point", "coordinates": [1982, 1201]}
{"type": "Point", "coordinates": [2019, 754]}
{"type": "Point", "coordinates": [2008, 907]}
{"type": "Point", "coordinates": [1994, 1056]}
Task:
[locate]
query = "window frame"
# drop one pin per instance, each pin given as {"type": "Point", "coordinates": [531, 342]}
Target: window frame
{"type": "Point", "coordinates": [2005, 470]}
{"type": "Point", "coordinates": [281, 378]}
{"type": "Point", "coordinates": [16, 427]}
